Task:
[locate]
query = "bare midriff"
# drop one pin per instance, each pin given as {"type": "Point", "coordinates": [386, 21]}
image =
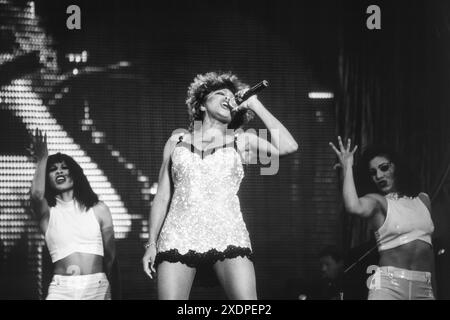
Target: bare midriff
{"type": "Point", "coordinates": [416, 255]}
{"type": "Point", "coordinates": [79, 264]}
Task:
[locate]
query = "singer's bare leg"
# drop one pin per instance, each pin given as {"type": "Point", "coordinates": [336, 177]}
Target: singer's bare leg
{"type": "Point", "coordinates": [237, 277]}
{"type": "Point", "coordinates": [174, 280]}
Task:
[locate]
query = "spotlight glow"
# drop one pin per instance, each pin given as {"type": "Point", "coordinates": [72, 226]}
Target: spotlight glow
{"type": "Point", "coordinates": [320, 95]}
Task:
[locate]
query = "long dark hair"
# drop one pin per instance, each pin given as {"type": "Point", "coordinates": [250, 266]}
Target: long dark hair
{"type": "Point", "coordinates": [82, 191]}
{"type": "Point", "coordinates": [406, 181]}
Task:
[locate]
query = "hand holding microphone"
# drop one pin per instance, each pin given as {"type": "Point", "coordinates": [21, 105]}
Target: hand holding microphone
{"type": "Point", "coordinates": [243, 95]}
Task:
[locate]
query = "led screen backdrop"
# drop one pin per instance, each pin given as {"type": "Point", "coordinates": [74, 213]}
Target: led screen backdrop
{"type": "Point", "coordinates": [110, 95]}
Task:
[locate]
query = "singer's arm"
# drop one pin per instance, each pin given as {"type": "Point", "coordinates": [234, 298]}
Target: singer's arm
{"type": "Point", "coordinates": [282, 142]}
{"type": "Point", "coordinates": [163, 194]}
{"type": "Point", "coordinates": [159, 207]}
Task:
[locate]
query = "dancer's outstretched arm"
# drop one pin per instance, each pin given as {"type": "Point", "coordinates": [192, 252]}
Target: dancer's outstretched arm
{"type": "Point", "coordinates": [365, 206]}
{"type": "Point", "coordinates": [38, 149]}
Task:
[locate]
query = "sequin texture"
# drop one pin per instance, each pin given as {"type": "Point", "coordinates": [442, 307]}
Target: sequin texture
{"type": "Point", "coordinates": [205, 212]}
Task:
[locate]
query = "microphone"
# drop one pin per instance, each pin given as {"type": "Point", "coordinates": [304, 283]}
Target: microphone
{"type": "Point", "coordinates": [252, 91]}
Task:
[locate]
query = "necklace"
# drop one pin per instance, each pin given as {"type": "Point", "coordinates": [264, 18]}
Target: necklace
{"type": "Point", "coordinates": [395, 196]}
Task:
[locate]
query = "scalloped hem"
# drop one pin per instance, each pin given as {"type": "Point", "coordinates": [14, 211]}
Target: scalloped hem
{"type": "Point", "coordinates": [195, 259]}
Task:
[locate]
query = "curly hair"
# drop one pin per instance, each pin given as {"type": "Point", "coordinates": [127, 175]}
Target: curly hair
{"type": "Point", "coordinates": [407, 183]}
{"type": "Point", "coordinates": [82, 191]}
{"type": "Point", "coordinates": [203, 84]}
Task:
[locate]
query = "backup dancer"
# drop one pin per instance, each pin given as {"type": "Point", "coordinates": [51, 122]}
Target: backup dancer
{"type": "Point", "coordinates": [78, 227]}
{"type": "Point", "coordinates": [400, 215]}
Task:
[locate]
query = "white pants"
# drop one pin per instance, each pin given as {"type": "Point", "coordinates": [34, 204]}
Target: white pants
{"type": "Point", "coordinates": [80, 287]}
{"type": "Point", "coordinates": [391, 283]}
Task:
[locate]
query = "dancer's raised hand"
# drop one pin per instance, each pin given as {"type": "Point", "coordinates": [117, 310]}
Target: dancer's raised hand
{"type": "Point", "coordinates": [38, 146]}
{"type": "Point", "coordinates": [345, 154]}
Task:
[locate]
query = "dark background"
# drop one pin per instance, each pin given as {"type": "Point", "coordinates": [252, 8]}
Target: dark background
{"type": "Point", "coordinates": [389, 86]}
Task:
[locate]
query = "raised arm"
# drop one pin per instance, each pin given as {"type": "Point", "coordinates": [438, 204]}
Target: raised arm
{"type": "Point", "coordinates": [365, 206]}
{"type": "Point", "coordinates": [282, 142]}
{"type": "Point", "coordinates": [159, 208]}
{"type": "Point", "coordinates": [38, 149]}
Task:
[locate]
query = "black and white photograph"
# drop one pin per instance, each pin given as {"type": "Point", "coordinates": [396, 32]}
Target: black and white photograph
{"type": "Point", "coordinates": [225, 151]}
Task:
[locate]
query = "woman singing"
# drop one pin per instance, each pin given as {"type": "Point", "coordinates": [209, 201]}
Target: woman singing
{"type": "Point", "coordinates": [78, 227]}
{"type": "Point", "coordinates": [199, 178]}
{"type": "Point", "coordinates": [400, 214]}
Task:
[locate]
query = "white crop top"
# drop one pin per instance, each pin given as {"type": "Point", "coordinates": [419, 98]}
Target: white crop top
{"type": "Point", "coordinates": [71, 229]}
{"type": "Point", "coordinates": [407, 219]}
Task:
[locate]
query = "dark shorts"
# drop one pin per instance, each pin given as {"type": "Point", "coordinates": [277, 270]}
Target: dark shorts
{"type": "Point", "coordinates": [195, 259]}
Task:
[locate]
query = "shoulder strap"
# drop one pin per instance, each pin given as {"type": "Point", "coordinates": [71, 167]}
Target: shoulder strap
{"type": "Point", "coordinates": [235, 142]}
{"type": "Point", "coordinates": [180, 138]}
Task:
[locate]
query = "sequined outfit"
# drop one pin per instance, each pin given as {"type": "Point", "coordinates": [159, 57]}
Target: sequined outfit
{"type": "Point", "coordinates": [204, 223]}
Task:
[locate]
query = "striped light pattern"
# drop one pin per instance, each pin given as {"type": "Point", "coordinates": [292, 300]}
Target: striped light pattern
{"type": "Point", "coordinates": [23, 103]}
{"type": "Point", "coordinates": [22, 99]}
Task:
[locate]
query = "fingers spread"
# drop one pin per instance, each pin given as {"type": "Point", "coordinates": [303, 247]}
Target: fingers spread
{"type": "Point", "coordinates": [334, 148]}
{"type": "Point", "coordinates": [341, 146]}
